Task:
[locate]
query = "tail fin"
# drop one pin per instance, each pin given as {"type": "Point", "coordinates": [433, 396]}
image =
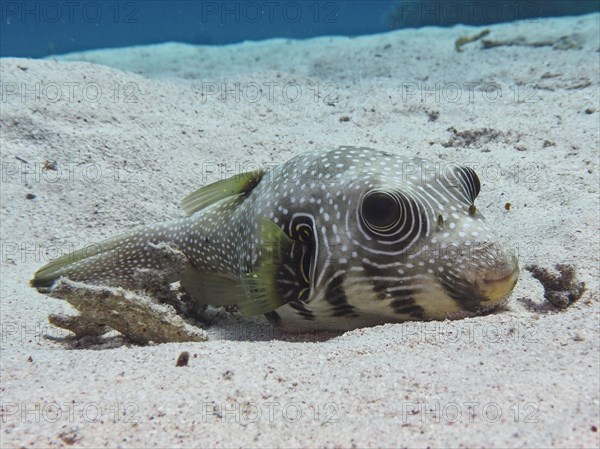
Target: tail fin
{"type": "Point", "coordinates": [112, 262]}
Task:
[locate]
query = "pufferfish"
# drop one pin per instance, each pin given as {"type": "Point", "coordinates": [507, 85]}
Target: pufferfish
{"type": "Point", "coordinates": [331, 240]}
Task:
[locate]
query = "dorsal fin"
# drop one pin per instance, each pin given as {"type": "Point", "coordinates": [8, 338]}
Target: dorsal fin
{"type": "Point", "coordinates": [241, 184]}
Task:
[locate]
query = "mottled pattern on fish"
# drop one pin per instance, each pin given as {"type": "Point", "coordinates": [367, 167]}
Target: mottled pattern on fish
{"type": "Point", "coordinates": [333, 239]}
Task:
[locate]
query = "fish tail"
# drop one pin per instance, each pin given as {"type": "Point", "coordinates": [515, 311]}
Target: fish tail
{"type": "Point", "coordinates": [114, 261]}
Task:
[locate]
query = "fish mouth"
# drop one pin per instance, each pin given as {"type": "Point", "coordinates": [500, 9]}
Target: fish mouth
{"type": "Point", "coordinates": [494, 288]}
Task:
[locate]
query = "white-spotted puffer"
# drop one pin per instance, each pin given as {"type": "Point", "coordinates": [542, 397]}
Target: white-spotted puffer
{"type": "Point", "coordinates": [332, 240]}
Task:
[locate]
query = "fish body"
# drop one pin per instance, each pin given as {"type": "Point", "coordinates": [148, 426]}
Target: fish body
{"type": "Point", "coordinates": [330, 240]}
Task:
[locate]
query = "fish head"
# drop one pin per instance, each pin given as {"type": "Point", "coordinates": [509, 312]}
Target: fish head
{"type": "Point", "coordinates": [399, 239]}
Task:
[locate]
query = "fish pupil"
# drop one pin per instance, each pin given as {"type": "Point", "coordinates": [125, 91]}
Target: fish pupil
{"type": "Point", "coordinates": [380, 210]}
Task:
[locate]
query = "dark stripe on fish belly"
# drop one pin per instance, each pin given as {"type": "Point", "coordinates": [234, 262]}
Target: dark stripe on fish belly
{"type": "Point", "coordinates": [273, 317]}
{"type": "Point", "coordinates": [406, 307]}
{"type": "Point", "coordinates": [301, 309]}
{"type": "Point", "coordinates": [335, 295]}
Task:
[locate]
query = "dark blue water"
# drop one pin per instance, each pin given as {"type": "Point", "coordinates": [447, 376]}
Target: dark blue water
{"type": "Point", "coordinates": [41, 28]}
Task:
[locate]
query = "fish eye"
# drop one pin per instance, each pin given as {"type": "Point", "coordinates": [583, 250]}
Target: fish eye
{"type": "Point", "coordinates": [380, 211]}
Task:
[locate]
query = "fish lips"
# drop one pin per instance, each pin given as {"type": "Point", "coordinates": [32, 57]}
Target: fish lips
{"type": "Point", "coordinates": [498, 286]}
{"type": "Point", "coordinates": [485, 291]}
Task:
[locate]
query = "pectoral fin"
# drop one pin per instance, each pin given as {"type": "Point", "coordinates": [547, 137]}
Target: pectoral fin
{"type": "Point", "coordinates": [212, 288]}
{"type": "Point", "coordinates": [277, 279]}
{"type": "Point", "coordinates": [263, 294]}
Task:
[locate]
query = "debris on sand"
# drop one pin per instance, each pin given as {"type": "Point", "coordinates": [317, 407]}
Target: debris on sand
{"type": "Point", "coordinates": [134, 315]}
{"type": "Point", "coordinates": [570, 42]}
{"type": "Point", "coordinates": [561, 287]}
{"type": "Point", "coordinates": [458, 44]}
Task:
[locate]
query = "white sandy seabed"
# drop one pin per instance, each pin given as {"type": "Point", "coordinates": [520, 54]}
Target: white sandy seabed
{"type": "Point", "coordinates": [128, 142]}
